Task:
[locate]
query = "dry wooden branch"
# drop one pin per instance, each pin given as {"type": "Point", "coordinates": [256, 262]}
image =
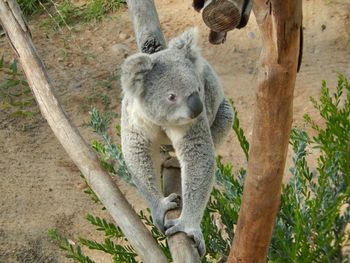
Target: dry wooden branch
{"type": "Point", "coordinates": [150, 39]}
{"type": "Point", "coordinates": [145, 19]}
{"type": "Point", "coordinates": [19, 36]}
{"type": "Point", "coordinates": [223, 15]}
{"type": "Point", "coordinates": [279, 23]}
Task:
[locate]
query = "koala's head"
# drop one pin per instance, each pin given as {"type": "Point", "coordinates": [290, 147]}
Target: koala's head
{"type": "Point", "coordinates": [166, 85]}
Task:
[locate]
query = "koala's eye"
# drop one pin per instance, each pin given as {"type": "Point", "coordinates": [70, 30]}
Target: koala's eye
{"type": "Point", "coordinates": [172, 97]}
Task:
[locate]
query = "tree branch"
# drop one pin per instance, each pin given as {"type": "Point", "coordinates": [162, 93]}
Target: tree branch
{"type": "Point", "coordinates": [18, 34]}
{"type": "Point", "coordinates": [145, 19]}
{"type": "Point", "coordinates": [279, 23]}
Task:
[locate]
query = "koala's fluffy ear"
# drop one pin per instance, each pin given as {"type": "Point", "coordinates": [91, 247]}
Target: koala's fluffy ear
{"type": "Point", "coordinates": [187, 42]}
{"type": "Point", "coordinates": [134, 70]}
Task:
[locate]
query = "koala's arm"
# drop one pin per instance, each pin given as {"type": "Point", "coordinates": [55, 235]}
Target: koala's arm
{"type": "Point", "coordinates": [195, 151]}
{"type": "Point", "coordinates": [140, 157]}
{"type": "Point", "coordinates": [219, 110]}
{"type": "Point", "coordinates": [222, 123]}
{"type": "Point", "coordinates": [197, 157]}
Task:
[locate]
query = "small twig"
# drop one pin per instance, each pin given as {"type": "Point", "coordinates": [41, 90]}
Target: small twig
{"type": "Point", "coordinates": [47, 11]}
{"type": "Point", "coordinates": [59, 13]}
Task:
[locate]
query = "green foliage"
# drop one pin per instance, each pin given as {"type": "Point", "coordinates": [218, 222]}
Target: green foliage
{"type": "Point", "coordinates": [113, 234]}
{"type": "Point", "coordinates": [222, 209]}
{"type": "Point", "coordinates": [113, 5]}
{"type": "Point", "coordinates": [158, 236]}
{"type": "Point", "coordinates": [120, 253]}
{"type": "Point", "coordinates": [334, 140]}
{"type": "Point", "coordinates": [66, 13]}
{"type": "Point", "coordinates": [106, 149]}
{"type": "Point", "coordinates": [311, 225]}
{"type": "Point", "coordinates": [114, 243]}
{"type": "Point", "coordinates": [100, 122]}
{"type": "Point", "coordinates": [315, 203]}
{"type": "Point", "coordinates": [72, 250]}
{"type": "Point", "coordinates": [91, 193]}
{"type": "Point", "coordinates": [97, 9]}
{"type": "Point", "coordinates": [109, 229]}
{"type": "Point", "coordinates": [15, 94]}
{"type": "Point", "coordinates": [30, 7]}
{"type": "Point", "coordinates": [239, 132]}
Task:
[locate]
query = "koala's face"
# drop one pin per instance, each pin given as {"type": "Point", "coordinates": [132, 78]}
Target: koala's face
{"type": "Point", "coordinates": [171, 93]}
{"type": "Point", "coordinates": [166, 84]}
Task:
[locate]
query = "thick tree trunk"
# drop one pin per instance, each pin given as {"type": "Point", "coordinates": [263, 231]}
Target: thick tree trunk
{"type": "Point", "coordinates": [279, 23]}
{"type": "Point", "coordinates": [78, 150]}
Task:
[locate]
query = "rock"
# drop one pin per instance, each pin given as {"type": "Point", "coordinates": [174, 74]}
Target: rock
{"type": "Point", "coordinates": [323, 27]}
{"type": "Point", "coordinates": [82, 185]}
{"type": "Point", "coordinates": [120, 49]}
{"type": "Point", "coordinates": [123, 36]}
{"type": "Point", "coordinates": [129, 40]}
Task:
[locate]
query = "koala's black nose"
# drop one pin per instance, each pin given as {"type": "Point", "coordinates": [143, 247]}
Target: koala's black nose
{"type": "Point", "coordinates": [195, 104]}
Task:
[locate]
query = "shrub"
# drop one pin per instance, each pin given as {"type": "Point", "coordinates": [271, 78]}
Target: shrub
{"type": "Point", "coordinates": [30, 7]}
{"type": "Point", "coordinates": [16, 99]}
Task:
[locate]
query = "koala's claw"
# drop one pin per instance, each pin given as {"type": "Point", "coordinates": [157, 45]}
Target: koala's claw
{"type": "Point", "coordinates": [165, 204]}
{"type": "Point", "coordinates": [176, 225]}
{"type": "Point", "coordinates": [171, 199]}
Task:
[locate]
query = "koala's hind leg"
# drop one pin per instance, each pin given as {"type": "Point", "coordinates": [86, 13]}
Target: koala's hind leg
{"type": "Point", "coordinates": [222, 123]}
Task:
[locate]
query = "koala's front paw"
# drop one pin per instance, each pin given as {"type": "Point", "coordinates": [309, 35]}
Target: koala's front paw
{"type": "Point", "coordinates": [177, 225]}
{"type": "Point", "coordinates": [164, 205]}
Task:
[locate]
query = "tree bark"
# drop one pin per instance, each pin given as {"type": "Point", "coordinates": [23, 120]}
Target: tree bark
{"type": "Point", "coordinates": [145, 19]}
{"type": "Point", "coordinates": [79, 151]}
{"type": "Point", "coordinates": [150, 40]}
{"type": "Point", "coordinates": [279, 23]}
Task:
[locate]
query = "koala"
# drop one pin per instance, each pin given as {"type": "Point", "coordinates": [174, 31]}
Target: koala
{"type": "Point", "coordinates": [173, 97]}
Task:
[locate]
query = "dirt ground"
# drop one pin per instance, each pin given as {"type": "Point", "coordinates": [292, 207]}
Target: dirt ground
{"type": "Point", "coordinates": [41, 187]}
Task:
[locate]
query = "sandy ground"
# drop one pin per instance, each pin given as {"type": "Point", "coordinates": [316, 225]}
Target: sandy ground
{"type": "Point", "coordinates": [41, 187]}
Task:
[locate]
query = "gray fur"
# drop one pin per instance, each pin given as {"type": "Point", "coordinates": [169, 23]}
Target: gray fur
{"type": "Point", "coordinates": [150, 118]}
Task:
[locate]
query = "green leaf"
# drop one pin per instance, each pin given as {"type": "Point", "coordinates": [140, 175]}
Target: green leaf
{"type": "Point", "coordinates": [239, 131]}
{"type": "Point", "coordinates": [109, 229]}
{"type": "Point", "coordinates": [13, 66]}
{"type": "Point", "coordinates": [72, 251]}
